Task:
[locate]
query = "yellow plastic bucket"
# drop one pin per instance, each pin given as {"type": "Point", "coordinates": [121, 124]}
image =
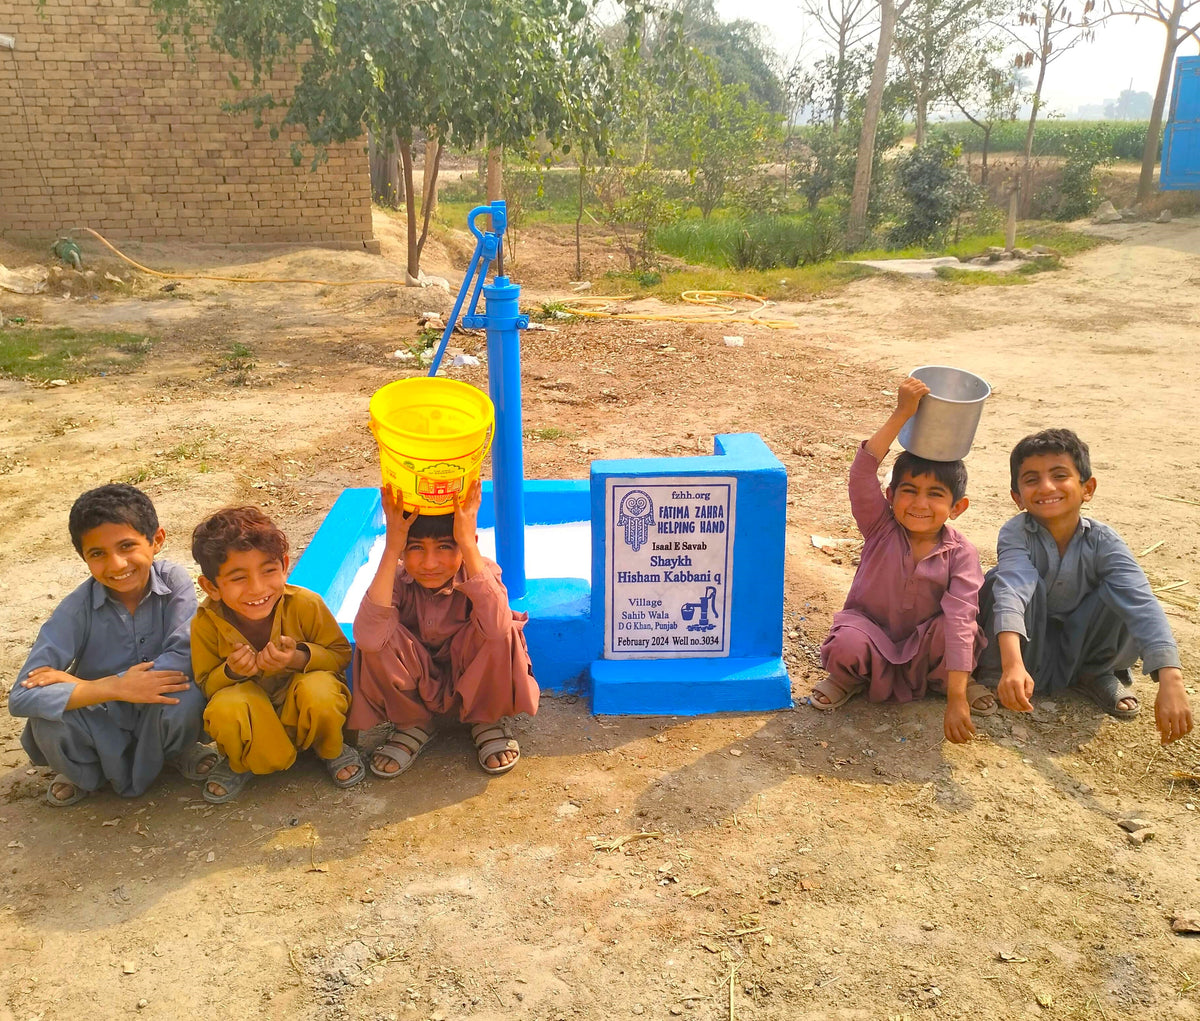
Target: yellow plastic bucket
{"type": "Point", "coordinates": [433, 435]}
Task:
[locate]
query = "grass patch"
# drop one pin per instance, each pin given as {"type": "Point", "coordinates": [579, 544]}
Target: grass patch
{"type": "Point", "coordinates": [1061, 239]}
{"type": "Point", "coordinates": [798, 284]}
{"type": "Point", "coordinates": [44, 354]}
{"type": "Point", "coordinates": [982, 278]}
{"type": "Point", "coordinates": [549, 433]}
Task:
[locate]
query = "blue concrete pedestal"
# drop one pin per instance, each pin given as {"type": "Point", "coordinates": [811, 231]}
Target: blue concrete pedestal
{"type": "Point", "coordinates": [567, 616]}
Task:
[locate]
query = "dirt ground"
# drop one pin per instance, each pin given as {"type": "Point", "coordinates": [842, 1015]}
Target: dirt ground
{"type": "Point", "coordinates": [795, 864]}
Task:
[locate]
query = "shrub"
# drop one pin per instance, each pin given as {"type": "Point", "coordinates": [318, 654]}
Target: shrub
{"type": "Point", "coordinates": [933, 190]}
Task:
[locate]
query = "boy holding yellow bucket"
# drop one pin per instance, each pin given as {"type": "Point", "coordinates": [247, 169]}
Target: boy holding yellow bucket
{"type": "Point", "coordinates": [435, 636]}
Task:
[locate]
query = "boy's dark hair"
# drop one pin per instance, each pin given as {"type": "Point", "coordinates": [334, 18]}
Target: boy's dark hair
{"type": "Point", "coordinates": [1051, 441]}
{"type": "Point", "coordinates": [432, 526]}
{"type": "Point", "coordinates": [951, 474]}
{"type": "Point", "coordinates": [235, 529]}
{"type": "Point", "coordinates": [114, 504]}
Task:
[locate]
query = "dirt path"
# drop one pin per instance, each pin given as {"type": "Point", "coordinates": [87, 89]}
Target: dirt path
{"type": "Point", "coordinates": [851, 867]}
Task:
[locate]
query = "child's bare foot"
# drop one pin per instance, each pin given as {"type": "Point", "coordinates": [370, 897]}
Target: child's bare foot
{"type": "Point", "coordinates": [397, 753]}
{"type": "Point", "coordinates": [495, 746]}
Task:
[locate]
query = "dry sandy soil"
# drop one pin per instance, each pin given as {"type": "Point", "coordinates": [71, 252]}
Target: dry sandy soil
{"type": "Point", "coordinates": [795, 864]}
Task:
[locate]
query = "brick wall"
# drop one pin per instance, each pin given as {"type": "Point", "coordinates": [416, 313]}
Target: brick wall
{"type": "Point", "coordinates": [100, 128]}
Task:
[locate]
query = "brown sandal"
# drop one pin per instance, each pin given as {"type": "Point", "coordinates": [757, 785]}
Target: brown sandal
{"type": "Point", "coordinates": [492, 739]}
{"type": "Point", "coordinates": [837, 695]}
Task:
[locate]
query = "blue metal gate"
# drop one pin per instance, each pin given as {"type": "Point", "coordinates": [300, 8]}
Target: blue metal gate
{"type": "Point", "coordinates": [1181, 138]}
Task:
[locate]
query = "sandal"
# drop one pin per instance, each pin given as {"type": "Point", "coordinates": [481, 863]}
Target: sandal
{"type": "Point", "coordinates": [348, 757]}
{"type": "Point", "coordinates": [977, 691]}
{"type": "Point", "coordinates": [188, 762]}
{"type": "Point", "coordinates": [77, 793]}
{"type": "Point", "coordinates": [402, 747]}
{"type": "Point", "coordinates": [1107, 692]}
{"type": "Point", "coordinates": [492, 739]}
{"type": "Point", "coordinates": [225, 777]}
{"type": "Point", "coordinates": [837, 695]}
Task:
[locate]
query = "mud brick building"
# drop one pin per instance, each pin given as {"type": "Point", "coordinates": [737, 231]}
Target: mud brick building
{"type": "Point", "coordinates": [100, 128]}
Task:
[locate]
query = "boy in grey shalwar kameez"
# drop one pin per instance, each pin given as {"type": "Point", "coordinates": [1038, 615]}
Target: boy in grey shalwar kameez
{"type": "Point", "coordinates": [1068, 605]}
{"type": "Point", "coordinates": [107, 687]}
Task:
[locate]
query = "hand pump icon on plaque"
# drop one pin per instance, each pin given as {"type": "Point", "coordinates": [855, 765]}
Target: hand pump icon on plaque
{"type": "Point", "coordinates": [706, 604]}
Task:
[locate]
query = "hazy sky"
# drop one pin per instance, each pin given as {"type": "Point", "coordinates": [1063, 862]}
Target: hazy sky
{"type": "Point", "coordinates": [1090, 73]}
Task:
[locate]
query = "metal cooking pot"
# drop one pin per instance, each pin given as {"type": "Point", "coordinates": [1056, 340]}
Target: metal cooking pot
{"type": "Point", "coordinates": [945, 423]}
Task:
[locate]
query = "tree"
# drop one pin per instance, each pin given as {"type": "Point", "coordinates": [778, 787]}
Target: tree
{"type": "Point", "coordinates": [830, 96]}
{"type": "Point", "coordinates": [931, 40]}
{"type": "Point", "coordinates": [501, 71]}
{"type": "Point", "coordinates": [737, 49]}
{"type": "Point", "coordinates": [847, 24]}
{"type": "Point", "coordinates": [1045, 30]}
{"type": "Point", "coordinates": [977, 84]}
{"type": "Point", "coordinates": [856, 228]}
{"type": "Point", "coordinates": [720, 135]}
{"type": "Point", "coordinates": [1181, 19]}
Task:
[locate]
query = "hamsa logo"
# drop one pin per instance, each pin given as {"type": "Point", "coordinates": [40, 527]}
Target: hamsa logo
{"type": "Point", "coordinates": [635, 513]}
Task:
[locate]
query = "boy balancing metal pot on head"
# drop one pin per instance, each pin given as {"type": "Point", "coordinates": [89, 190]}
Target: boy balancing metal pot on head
{"type": "Point", "coordinates": [909, 623]}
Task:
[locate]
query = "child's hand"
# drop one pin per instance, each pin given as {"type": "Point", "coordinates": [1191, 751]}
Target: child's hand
{"type": "Point", "coordinates": [466, 514]}
{"type": "Point", "coordinates": [397, 520]}
{"type": "Point", "coordinates": [281, 655]}
{"type": "Point", "coordinates": [40, 676]}
{"type": "Point", "coordinates": [242, 662]}
{"type": "Point", "coordinates": [1015, 689]}
{"type": "Point", "coordinates": [909, 395]}
{"type": "Point", "coordinates": [1172, 711]}
{"type": "Point", "coordinates": [141, 683]}
{"type": "Point", "coordinates": [956, 724]}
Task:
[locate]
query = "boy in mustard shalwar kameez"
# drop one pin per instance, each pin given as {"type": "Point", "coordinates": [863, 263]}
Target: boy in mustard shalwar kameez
{"type": "Point", "coordinates": [270, 657]}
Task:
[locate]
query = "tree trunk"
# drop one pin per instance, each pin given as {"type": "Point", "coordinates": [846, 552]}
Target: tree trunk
{"type": "Point", "coordinates": [431, 176]}
{"type": "Point", "coordinates": [413, 267]}
{"type": "Point", "coordinates": [1037, 101]}
{"type": "Point", "coordinates": [856, 230]}
{"type": "Point", "coordinates": [429, 185]}
{"type": "Point", "coordinates": [1154, 128]}
{"type": "Point", "coordinates": [922, 105]}
{"type": "Point", "coordinates": [579, 222]}
{"type": "Point", "coordinates": [395, 172]}
{"type": "Point", "coordinates": [495, 174]}
{"type": "Point", "coordinates": [386, 187]}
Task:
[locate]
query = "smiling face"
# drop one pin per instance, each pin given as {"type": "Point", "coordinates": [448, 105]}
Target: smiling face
{"type": "Point", "coordinates": [119, 557]}
{"type": "Point", "coordinates": [1050, 489]}
{"type": "Point", "coordinates": [249, 583]}
{"type": "Point", "coordinates": [432, 562]}
{"type": "Point", "coordinates": [921, 505]}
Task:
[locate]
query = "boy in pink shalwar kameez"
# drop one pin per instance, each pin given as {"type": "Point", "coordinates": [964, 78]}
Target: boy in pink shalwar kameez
{"type": "Point", "coordinates": [909, 623]}
{"type": "Point", "coordinates": [435, 635]}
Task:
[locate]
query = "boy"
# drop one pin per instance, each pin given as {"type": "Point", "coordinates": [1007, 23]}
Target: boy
{"type": "Point", "coordinates": [1068, 604]}
{"type": "Point", "coordinates": [909, 619]}
{"type": "Point", "coordinates": [435, 634]}
{"type": "Point", "coordinates": [269, 656]}
{"type": "Point", "coordinates": [107, 687]}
